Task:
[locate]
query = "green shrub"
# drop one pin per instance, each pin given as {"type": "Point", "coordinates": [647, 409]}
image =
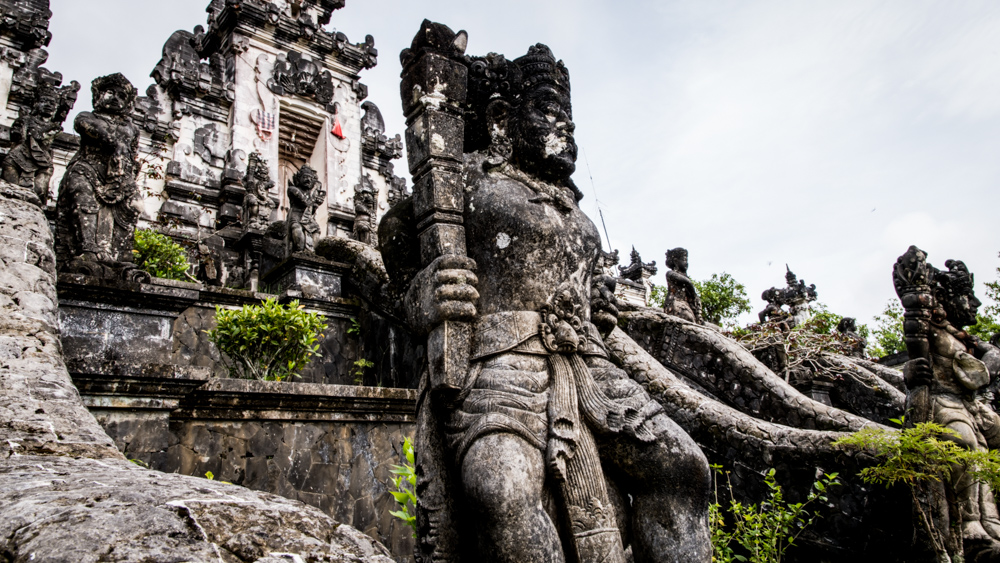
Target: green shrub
{"type": "Point", "coordinates": [406, 488]}
{"type": "Point", "coordinates": [917, 457]}
{"type": "Point", "coordinates": [764, 531]}
{"type": "Point", "coordinates": [267, 341]}
{"type": "Point", "coordinates": [160, 255]}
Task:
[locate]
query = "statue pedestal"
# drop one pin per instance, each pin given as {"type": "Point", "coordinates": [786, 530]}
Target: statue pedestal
{"type": "Point", "coordinates": [820, 391]}
{"type": "Point", "coordinates": [313, 277]}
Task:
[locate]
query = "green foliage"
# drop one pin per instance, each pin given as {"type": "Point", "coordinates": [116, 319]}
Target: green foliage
{"type": "Point", "coordinates": [986, 326]}
{"type": "Point", "coordinates": [354, 328]}
{"type": "Point", "coordinates": [658, 296]}
{"type": "Point", "coordinates": [722, 298]}
{"type": "Point", "coordinates": [269, 341]}
{"type": "Point", "coordinates": [887, 336]}
{"type": "Point", "coordinates": [764, 531]}
{"type": "Point", "coordinates": [160, 256]}
{"type": "Point", "coordinates": [210, 476]}
{"type": "Point", "coordinates": [924, 452]}
{"type": "Point", "coordinates": [140, 463]}
{"type": "Point", "coordinates": [918, 455]}
{"type": "Point", "coordinates": [358, 371]}
{"type": "Point", "coordinates": [988, 319]}
{"type": "Point", "coordinates": [406, 488]}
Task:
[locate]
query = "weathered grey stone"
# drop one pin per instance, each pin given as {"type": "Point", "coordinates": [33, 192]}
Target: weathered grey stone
{"type": "Point", "coordinates": [67, 494]}
{"type": "Point", "coordinates": [87, 510]}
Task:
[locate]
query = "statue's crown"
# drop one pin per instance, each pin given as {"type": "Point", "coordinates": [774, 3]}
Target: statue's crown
{"type": "Point", "coordinates": [540, 67]}
{"type": "Point", "coordinates": [117, 81]}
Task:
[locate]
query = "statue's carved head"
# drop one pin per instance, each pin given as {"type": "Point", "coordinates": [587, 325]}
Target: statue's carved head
{"type": "Point", "coordinates": [521, 111]}
{"type": "Point", "coordinates": [847, 324]}
{"type": "Point", "coordinates": [46, 102]}
{"type": "Point", "coordinates": [113, 94]}
{"type": "Point", "coordinates": [305, 178]}
{"type": "Point", "coordinates": [677, 259]}
{"type": "Point", "coordinates": [954, 291]}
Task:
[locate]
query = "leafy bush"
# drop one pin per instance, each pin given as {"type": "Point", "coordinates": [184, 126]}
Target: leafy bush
{"type": "Point", "coordinates": [268, 341]}
{"type": "Point", "coordinates": [888, 331]}
{"type": "Point", "coordinates": [918, 456]}
{"type": "Point", "coordinates": [722, 298]}
{"type": "Point", "coordinates": [767, 530]}
{"type": "Point", "coordinates": [159, 255]}
{"type": "Point", "coordinates": [406, 487]}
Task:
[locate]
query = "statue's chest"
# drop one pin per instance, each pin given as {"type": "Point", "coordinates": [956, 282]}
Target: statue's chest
{"type": "Point", "coordinates": [511, 224]}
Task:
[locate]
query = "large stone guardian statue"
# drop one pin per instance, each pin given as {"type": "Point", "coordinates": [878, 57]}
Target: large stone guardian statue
{"type": "Point", "coordinates": [99, 202]}
{"type": "Point", "coordinates": [540, 449]}
{"type": "Point", "coordinates": [946, 376]}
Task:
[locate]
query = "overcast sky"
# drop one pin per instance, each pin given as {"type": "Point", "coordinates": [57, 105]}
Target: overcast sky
{"type": "Point", "coordinates": [826, 135]}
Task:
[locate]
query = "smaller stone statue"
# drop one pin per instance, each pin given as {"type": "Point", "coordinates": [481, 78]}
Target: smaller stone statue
{"type": "Point", "coordinates": [305, 195]}
{"type": "Point", "coordinates": [682, 297]}
{"type": "Point", "coordinates": [364, 210]}
{"type": "Point", "coordinates": [796, 295]}
{"type": "Point", "coordinates": [257, 203]}
{"type": "Point", "coordinates": [29, 162]}
{"type": "Point", "coordinates": [99, 202]}
{"type": "Point", "coordinates": [603, 303]}
{"type": "Point", "coordinates": [848, 327]}
{"type": "Point", "coordinates": [773, 312]}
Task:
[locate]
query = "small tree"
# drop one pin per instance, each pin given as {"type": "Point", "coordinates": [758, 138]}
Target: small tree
{"type": "Point", "coordinates": [405, 482]}
{"type": "Point", "coordinates": [722, 298]}
{"type": "Point", "coordinates": [887, 335]}
{"type": "Point", "coordinates": [988, 319]}
{"type": "Point", "coordinates": [269, 341]}
{"type": "Point", "coordinates": [917, 457]}
{"type": "Point", "coordinates": [159, 255]}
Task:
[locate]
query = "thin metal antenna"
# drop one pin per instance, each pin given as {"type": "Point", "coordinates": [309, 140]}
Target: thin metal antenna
{"type": "Point", "coordinates": [597, 201]}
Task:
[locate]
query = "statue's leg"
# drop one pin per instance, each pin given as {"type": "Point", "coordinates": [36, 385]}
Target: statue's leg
{"type": "Point", "coordinates": [81, 215]}
{"type": "Point", "coordinates": [669, 483]}
{"type": "Point", "coordinates": [42, 179]}
{"type": "Point", "coordinates": [503, 476]}
{"type": "Point", "coordinates": [10, 173]}
{"type": "Point", "coordinates": [979, 532]}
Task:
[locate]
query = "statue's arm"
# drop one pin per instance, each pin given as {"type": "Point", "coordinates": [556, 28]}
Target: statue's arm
{"type": "Point", "coordinates": [90, 126]}
{"type": "Point", "coordinates": [443, 290]}
{"type": "Point", "coordinates": [18, 130]}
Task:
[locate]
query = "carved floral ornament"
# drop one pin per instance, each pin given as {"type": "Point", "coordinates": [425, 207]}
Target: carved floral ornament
{"type": "Point", "coordinates": [295, 74]}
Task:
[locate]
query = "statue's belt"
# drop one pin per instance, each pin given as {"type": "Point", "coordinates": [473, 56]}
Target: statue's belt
{"type": "Point", "coordinates": [513, 331]}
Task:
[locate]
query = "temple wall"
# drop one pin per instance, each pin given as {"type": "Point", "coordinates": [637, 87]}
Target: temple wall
{"type": "Point", "coordinates": [329, 446]}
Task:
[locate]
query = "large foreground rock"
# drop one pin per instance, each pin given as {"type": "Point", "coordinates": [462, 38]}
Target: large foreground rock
{"type": "Point", "coordinates": [66, 493]}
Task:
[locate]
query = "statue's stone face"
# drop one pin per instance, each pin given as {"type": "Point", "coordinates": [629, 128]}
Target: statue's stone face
{"type": "Point", "coordinates": [46, 106]}
{"type": "Point", "coordinates": [962, 309]}
{"type": "Point", "coordinates": [544, 144]}
{"type": "Point", "coordinates": [113, 100]}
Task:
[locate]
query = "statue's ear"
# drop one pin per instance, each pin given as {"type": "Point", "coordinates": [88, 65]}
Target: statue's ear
{"type": "Point", "coordinates": [497, 118]}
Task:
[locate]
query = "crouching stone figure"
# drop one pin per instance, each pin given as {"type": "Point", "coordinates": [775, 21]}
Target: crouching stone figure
{"type": "Point", "coordinates": [546, 451]}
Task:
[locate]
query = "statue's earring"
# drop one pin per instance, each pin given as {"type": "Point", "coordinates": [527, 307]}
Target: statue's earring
{"type": "Point", "coordinates": [501, 148]}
